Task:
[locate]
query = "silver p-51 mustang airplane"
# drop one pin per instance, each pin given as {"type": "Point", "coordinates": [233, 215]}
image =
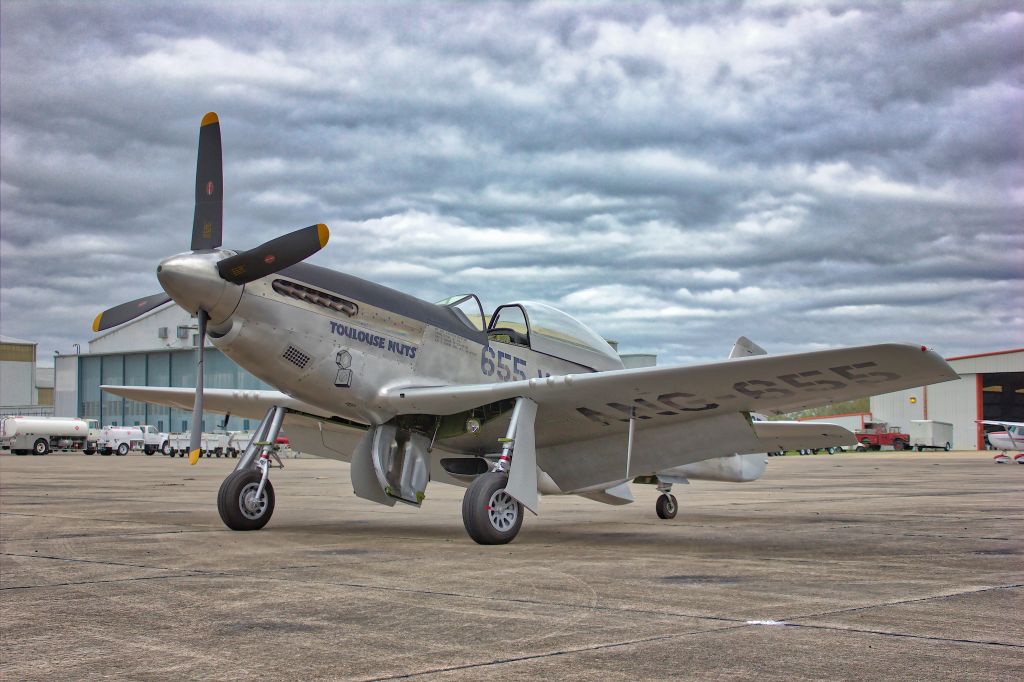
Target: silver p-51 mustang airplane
{"type": "Point", "coordinates": [524, 401]}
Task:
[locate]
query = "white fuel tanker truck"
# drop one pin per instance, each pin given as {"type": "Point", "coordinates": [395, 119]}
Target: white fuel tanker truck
{"type": "Point", "coordinates": [40, 435]}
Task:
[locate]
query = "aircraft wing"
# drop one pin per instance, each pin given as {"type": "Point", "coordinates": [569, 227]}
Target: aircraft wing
{"type": "Point", "coordinates": [761, 383]}
{"type": "Point", "coordinates": [998, 423]}
{"type": "Point", "coordinates": [240, 403]}
{"type": "Point", "coordinates": [682, 414]}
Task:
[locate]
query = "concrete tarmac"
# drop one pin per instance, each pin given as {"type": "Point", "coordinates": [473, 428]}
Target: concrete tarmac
{"type": "Point", "coordinates": [853, 566]}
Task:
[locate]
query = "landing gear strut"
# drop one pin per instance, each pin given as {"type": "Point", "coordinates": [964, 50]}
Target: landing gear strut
{"type": "Point", "coordinates": [666, 506]}
{"type": "Point", "coordinates": [246, 497]}
{"type": "Point", "coordinates": [492, 509]}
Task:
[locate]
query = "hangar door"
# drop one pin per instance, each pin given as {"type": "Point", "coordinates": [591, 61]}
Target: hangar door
{"type": "Point", "coordinates": [1002, 397]}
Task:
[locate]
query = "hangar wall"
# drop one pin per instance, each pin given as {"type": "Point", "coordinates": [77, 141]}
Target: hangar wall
{"type": "Point", "coordinates": [65, 386]}
{"type": "Point", "coordinates": [17, 371]}
{"type": "Point", "coordinates": [959, 402]}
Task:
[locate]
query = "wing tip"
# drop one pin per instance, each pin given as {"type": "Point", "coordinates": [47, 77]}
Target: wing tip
{"type": "Point", "coordinates": [96, 322]}
{"type": "Point", "coordinates": [209, 119]}
{"type": "Point", "coordinates": [322, 234]}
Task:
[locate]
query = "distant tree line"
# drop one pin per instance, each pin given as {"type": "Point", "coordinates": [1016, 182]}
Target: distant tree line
{"type": "Point", "coordinates": [846, 407]}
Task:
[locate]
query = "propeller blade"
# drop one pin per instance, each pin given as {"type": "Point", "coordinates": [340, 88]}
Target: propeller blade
{"type": "Point", "coordinates": [196, 442]}
{"type": "Point", "coordinates": [128, 311]}
{"type": "Point", "coordinates": [275, 255]}
{"type": "Point", "coordinates": [208, 223]}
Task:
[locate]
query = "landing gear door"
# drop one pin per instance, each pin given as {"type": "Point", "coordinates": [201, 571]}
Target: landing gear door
{"type": "Point", "coordinates": [364, 475]}
{"type": "Point", "coordinates": [402, 463]}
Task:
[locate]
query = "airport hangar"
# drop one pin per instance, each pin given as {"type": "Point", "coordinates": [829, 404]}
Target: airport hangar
{"type": "Point", "coordinates": [158, 349]}
{"type": "Point", "coordinates": [991, 386]}
{"type": "Point", "coordinates": [25, 387]}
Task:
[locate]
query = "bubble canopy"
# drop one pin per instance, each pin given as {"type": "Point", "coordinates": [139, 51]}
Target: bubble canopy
{"type": "Point", "coordinates": [540, 326]}
{"type": "Point", "coordinates": [556, 333]}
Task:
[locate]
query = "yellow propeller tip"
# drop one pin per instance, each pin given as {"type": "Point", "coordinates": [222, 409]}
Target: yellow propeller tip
{"type": "Point", "coordinates": [193, 456]}
{"type": "Point", "coordinates": [96, 322]}
{"type": "Point", "coordinates": [209, 119]}
{"type": "Point", "coordinates": [323, 234]}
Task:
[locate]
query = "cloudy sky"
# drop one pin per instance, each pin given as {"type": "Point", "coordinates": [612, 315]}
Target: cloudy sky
{"type": "Point", "coordinates": [674, 175]}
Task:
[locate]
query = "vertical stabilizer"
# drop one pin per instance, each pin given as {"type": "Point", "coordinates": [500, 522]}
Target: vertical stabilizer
{"type": "Point", "coordinates": [745, 347]}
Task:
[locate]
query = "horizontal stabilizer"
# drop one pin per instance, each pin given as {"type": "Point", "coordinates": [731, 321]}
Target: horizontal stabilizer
{"type": "Point", "coordinates": [802, 435]}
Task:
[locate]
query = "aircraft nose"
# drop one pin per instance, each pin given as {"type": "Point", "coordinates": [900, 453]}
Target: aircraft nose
{"type": "Point", "coordinates": [192, 280]}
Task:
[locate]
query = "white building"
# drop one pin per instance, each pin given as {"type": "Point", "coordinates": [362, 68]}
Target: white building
{"type": "Point", "coordinates": [991, 386]}
{"type": "Point", "coordinates": [17, 371]}
{"type": "Point", "coordinates": [25, 388]}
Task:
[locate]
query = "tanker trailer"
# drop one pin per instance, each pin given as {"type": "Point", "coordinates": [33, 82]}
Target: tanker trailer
{"type": "Point", "coordinates": [40, 435]}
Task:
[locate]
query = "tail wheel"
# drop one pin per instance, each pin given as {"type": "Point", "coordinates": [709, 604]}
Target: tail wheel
{"type": "Point", "coordinates": [666, 506]}
{"type": "Point", "coordinates": [238, 505]}
{"type": "Point", "coordinates": [490, 514]}
{"type": "Point", "coordinates": [40, 447]}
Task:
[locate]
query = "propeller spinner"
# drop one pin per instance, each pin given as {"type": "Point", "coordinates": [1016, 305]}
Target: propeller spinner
{"type": "Point", "coordinates": [208, 280]}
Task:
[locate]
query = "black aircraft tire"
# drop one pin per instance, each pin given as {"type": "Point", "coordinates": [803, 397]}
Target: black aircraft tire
{"type": "Point", "coordinates": [491, 515]}
{"type": "Point", "coordinates": [229, 501]}
{"type": "Point", "coordinates": [666, 506]}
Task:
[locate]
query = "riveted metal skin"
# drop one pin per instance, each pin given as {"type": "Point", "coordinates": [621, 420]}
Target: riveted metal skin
{"type": "Point", "coordinates": [192, 280]}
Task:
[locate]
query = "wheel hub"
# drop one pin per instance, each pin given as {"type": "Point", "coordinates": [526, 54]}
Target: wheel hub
{"type": "Point", "coordinates": [502, 510]}
{"type": "Point", "coordinates": [251, 506]}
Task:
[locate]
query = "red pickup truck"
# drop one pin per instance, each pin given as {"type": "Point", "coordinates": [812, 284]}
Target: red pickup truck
{"type": "Point", "coordinates": [876, 434]}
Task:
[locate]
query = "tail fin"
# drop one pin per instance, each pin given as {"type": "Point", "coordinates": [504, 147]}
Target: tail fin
{"type": "Point", "coordinates": [744, 347]}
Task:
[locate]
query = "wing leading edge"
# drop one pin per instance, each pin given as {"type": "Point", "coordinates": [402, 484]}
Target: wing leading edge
{"type": "Point", "coordinates": [761, 383]}
{"type": "Point", "coordinates": [239, 402]}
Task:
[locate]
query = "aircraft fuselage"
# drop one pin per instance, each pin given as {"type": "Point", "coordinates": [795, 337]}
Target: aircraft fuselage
{"type": "Point", "coordinates": [291, 331]}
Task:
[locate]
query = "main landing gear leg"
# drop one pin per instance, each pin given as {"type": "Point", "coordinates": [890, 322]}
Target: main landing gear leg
{"type": "Point", "coordinates": [491, 514]}
{"type": "Point", "coordinates": [666, 506]}
{"type": "Point", "coordinates": [246, 497]}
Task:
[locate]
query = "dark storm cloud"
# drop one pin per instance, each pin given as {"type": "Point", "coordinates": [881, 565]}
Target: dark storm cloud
{"type": "Point", "coordinates": [673, 174]}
